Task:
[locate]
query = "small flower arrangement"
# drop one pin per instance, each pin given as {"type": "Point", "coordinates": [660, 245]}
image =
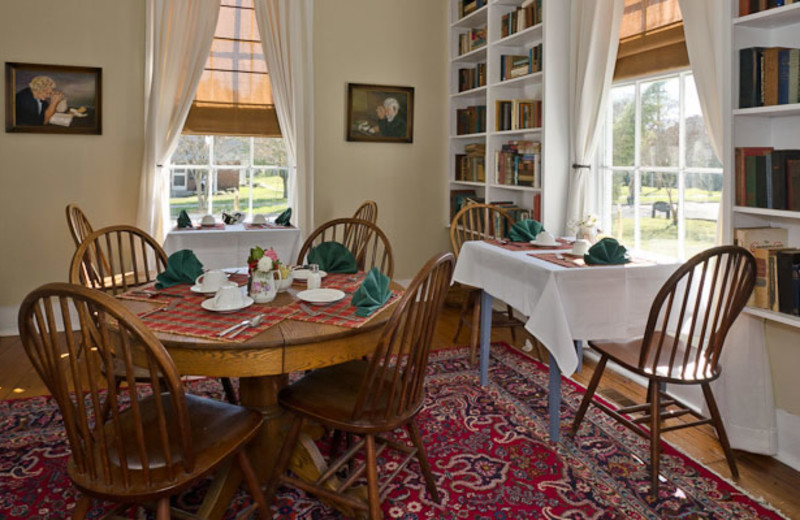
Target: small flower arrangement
{"type": "Point", "coordinates": [588, 221]}
{"type": "Point", "coordinates": [586, 228]}
{"type": "Point", "coordinates": [267, 260]}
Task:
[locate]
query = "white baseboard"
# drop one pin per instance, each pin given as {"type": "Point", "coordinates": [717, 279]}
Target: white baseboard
{"type": "Point", "coordinates": [8, 321]}
{"type": "Point", "coordinates": [788, 439]}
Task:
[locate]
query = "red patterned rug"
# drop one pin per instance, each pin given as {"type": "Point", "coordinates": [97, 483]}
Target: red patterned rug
{"type": "Point", "coordinates": [487, 446]}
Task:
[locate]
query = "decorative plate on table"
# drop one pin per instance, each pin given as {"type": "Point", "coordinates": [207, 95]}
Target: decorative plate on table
{"type": "Point", "coordinates": [321, 296]}
{"type": "Point", "coordinates": [302, 274]}
{"type": "Point", "coordinates": [210, 305]}
{"type": "Point", "coordinates": [199, 289]}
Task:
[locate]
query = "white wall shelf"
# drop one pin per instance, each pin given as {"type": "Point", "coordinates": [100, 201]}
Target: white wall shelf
{"type": "Point", "coordinates": [547, 86]}
{"type": "Point", "coordinates": [775, 18]}
{"type": "Point", "coordinates": [780, 317]}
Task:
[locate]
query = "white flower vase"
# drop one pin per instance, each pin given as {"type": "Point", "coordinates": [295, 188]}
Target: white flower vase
{"type": "Point", "coordinates": [586, 233]}
{"type": "Point", "coordinates": [264, 285]}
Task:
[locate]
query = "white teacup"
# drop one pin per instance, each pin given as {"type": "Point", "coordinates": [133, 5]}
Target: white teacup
{"type": "Point", "coordinates": [212, 280]}
{"type": "Point", "coordinates": [208, 220]}
{"type": "Point", "coordinates": [229, 297]}
{"type": "Point", "coordinates": [546, 238]}
{"type": "Point", "coordinates": [581, 247]}
{"type": "Point", "coordinates": [259, 218]}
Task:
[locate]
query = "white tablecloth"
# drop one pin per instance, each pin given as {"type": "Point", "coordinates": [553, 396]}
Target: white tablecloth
{"type": "Point", "coordinates": [565, 304]}
{"type": "Point", "coordinates": [218, 248]}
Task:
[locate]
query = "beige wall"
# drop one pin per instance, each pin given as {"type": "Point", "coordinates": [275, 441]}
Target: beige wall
{"type": "Point", "coordinates": [383, 42]}
{"type": "Point", "coordinates": [42, 173]}
{"type": "Point", "coordinates": [783, 347]}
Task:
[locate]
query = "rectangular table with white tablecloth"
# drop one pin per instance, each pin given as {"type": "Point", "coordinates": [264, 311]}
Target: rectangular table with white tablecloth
{"type": "Point", "coordinates": [562, 304]}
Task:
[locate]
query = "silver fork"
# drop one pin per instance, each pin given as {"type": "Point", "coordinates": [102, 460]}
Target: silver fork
{"type": "Point", "coordinates": [172, 305]}
{"type": "Point", "coordinates": [311, 312]}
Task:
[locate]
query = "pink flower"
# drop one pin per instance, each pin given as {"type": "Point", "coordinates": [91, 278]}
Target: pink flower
{"type": "Point", "coordinates": [272, 254]}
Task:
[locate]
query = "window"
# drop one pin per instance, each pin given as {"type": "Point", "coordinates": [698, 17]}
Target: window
{"type": "Point", "coordinates": [231, 156]}
{"type": "Point", "coordinates": [662, 183]}
{"type": "Point", "coordinates": [229, 173]}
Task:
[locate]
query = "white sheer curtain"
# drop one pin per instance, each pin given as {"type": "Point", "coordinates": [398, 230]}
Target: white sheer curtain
{"type": "Point", "coordinates": [595, 39]}
{"type": "Point", "coordinates": [744, 391]}
{"type": "Point", "coordinates": [286, 28]}
{"type": "Point", "coordinates": [177, 42]}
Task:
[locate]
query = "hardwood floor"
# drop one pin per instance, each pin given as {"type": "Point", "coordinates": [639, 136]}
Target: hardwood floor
{"type": "Point", "coordinates": [761, 476]}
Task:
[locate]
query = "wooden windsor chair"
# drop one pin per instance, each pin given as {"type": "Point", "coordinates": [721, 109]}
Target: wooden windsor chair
{"type": "Point", "coordinates": [681, 344]}
{"type": "Point", "coordinates": [151, 445]}
{"type": "Point", "coordinates": [365, 240]}
{"type": "Point", "coordinates": [116, 259]}
{"type": "Point", "coordinates": [78, 223]}
{"type": "Point", "coordinates": [480, 222]}
{"type": "Point", "coordinates": [368, 210]}
{"type": "Point", "coordinates": [371, 397]}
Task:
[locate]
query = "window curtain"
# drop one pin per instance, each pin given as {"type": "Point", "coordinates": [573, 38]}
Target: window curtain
{"type": "Point", "coordinates": [286, 28]}
{"type": "Point", "coordinates": [177, 42]}
{"type": "Point", "coordinates": [595, 38]}
{"type": "Point", "coordinates": [744, 390]}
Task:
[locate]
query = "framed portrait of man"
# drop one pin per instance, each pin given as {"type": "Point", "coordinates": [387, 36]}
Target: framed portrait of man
{"type": "Point", "coordinates": [53, 99]}
{"type": "Point", "coordinates": [380, 113]}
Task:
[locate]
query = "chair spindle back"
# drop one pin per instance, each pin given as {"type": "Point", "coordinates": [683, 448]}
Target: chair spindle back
{"type": "Point", "coordinates": [693, 311]}
{"type": "Point", "coordinates": [478, 222]}
{"type": "Point", "coordinates": [368, 210]}
{"type": "Point", "coordinates": [393, 387]}
{"type": "Point", "coordinates": [365, 240]}
{"type": "Point", "coordinates": [69, 333]}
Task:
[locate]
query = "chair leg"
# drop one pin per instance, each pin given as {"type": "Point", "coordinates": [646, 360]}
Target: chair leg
{"type": "Point", "coordinates": [227, 387]}
{"type": "Point", "coordinates": [252, 483]}
{"type": "Point", "coordinates": [162, 512]}
{"type": "Point", "coordinates": [372, 479]}
{"type": "Point", "coordinates": [510, 312]}
{"type": "Point", "coordinates": [82, 507]}
{"type": "Point", "coordinates": [587, 397]}
{"type": "Point", "coordinates": [462, 315]}
{"type": "Point", "coordinates": [476, 329]}
{"type": "Point", "coordinates": [723, 437]}
{"type": "Point", "coordinates": [282, 463]}
{"type": "Point", "coordinates": [655, 437]}
{"type": "Point", "coordinates": [422, 456]}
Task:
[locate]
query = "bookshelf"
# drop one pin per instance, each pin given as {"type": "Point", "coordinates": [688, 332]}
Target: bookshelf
{"type": "Point", "coordinates": [520, 74]}
{"type": "Point", "coordinates": [772, 126]}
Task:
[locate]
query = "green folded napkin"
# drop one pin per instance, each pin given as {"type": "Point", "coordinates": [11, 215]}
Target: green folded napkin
{"type": "Point", "coordinates": [182, 267]}
{"type": "Point", "coordinates": [284, 219]}
{"type": "Point", "coordinates": [607, 252]}
{"type": "Point", "coordinates": [372, 294]}
{"type": "Point", "coordinates": [183, 220]}
{"type": "Point", "coordinates": [525, 230]}
{"type": "Point", "coordinates": [333, 257]}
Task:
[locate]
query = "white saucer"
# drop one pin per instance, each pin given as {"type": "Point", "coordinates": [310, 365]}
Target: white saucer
{"type": "Point", "coordinates": [198, 289]}
{"type": "Point", "coordinates": [209, 305]}
{"type": "Point", "coordinates": [302, 274]}
{"type": "Point", "coordinates": [321, 296]}
{"type": "Point", "coordinates": [551, 244]}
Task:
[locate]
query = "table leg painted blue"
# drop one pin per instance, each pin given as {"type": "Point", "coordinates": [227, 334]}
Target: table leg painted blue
{"type": "Point", "coordinates": [554, 386]}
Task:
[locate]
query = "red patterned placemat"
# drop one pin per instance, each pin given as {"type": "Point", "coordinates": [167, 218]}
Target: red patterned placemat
{"type": "Point", "coordinates": [567, 260]}
{"type": "Point", "coordinates": [149, 293]}
{"type": "Point", "coordinates": [527, 246]}
{"type": "Point", "coordinates": [218, 225]}
{"type": "Point", "coordinates": [343, 313]}
{"type": "Point", "coordinates": [250, 226]}
{"type": "Point", "coordinates": [343, 282]}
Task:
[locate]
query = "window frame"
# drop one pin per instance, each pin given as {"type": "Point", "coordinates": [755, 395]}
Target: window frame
{"type": "Point", "coordinates": [606, 169]}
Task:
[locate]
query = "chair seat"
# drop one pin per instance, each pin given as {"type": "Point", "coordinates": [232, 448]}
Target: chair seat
{"type": "Point", "coordinates": [217, 430]}
{"type": "Point", "coordinates": [329, 395]}
{"type": "Point", "coordinates": [626, 353]}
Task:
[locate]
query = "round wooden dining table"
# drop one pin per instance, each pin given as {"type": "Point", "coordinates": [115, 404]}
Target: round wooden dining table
{"type": "Point", "coordinates": [263, 364]}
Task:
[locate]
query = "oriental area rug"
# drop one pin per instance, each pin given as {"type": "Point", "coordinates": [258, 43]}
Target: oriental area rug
{"type": "Point", "coordinates": [488, 447]}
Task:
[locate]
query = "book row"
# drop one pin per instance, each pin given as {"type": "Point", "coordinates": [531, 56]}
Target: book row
{"type": "Point", "coordinates": [472, 40]}
{"type": "Point", "coordinates": [767, 178]}
{"type": "Point", "coordinates": [460, 198]}
{"type": "Point", "coordinates": [467, 7]}
{"type": "Point", "coordinates": [518, 114]}
{"type": "Point", "coordinates": [768, 76]}
{"type": "Point", "coordinates": [514, 66]}
{"type": "Point", "coordinates": [521, 18]}
{"type": "Point", "coordinates": [470, 167]}
{"type": "Point", "coordinates": [777, 285]}
{"type": "Point", "coordinates": [472, 78]}
{"type": "Point", "coordinates": [755, 6]}
{"type": "Point", "coordinates": [471, 120]}
{"type": "Point", "coordinates": [518, 163]}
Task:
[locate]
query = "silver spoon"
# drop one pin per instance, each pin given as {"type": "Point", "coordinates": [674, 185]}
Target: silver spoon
{"type": "Point", "coordinates": [255, 322]}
